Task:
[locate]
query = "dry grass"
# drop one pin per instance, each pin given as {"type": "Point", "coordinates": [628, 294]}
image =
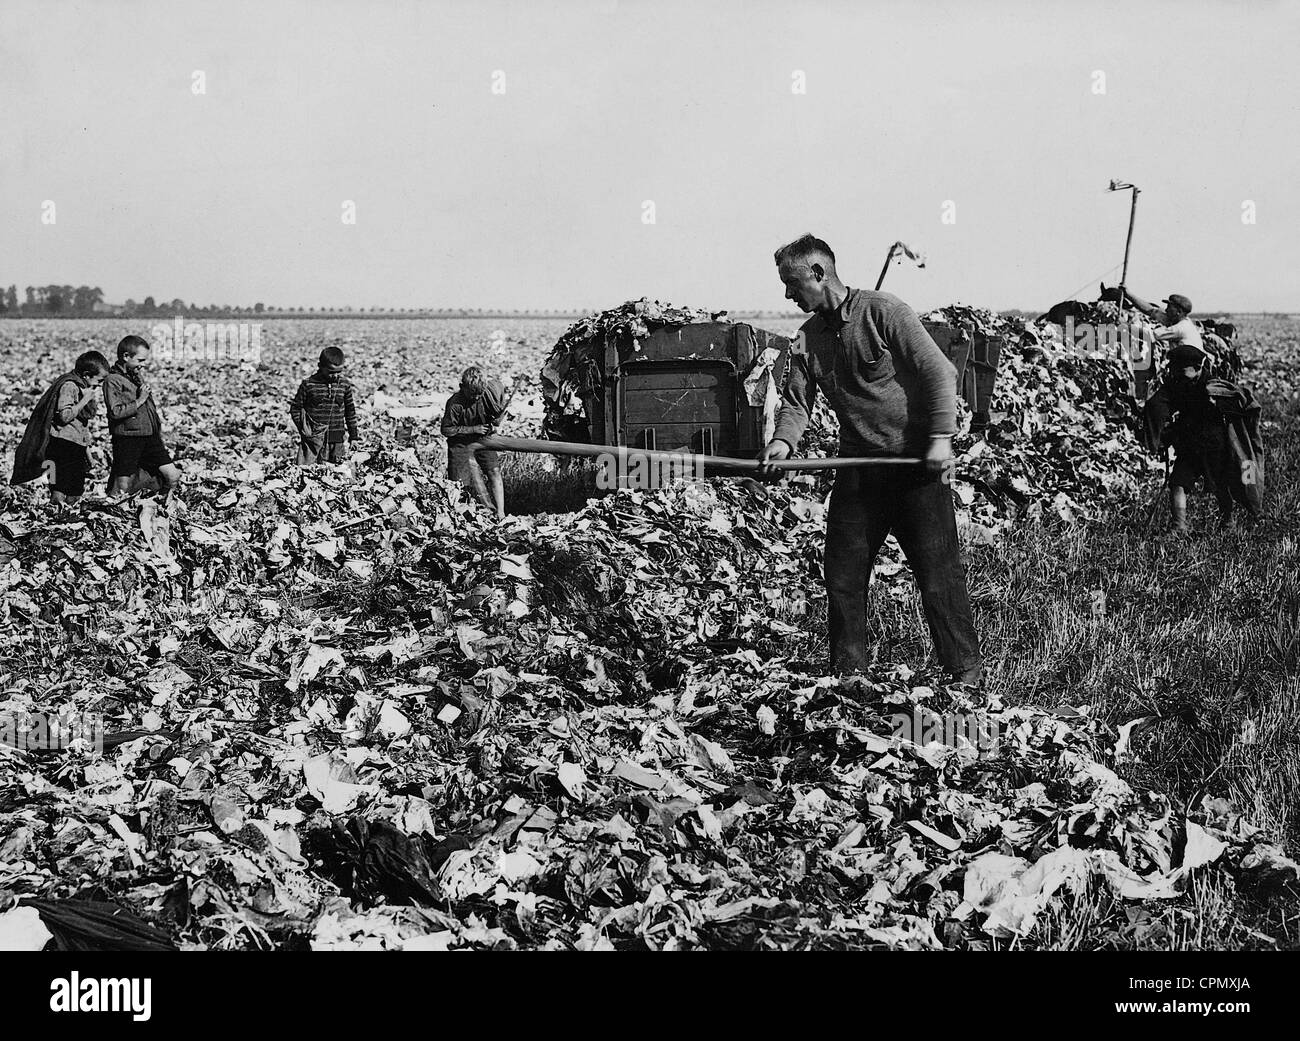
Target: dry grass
{"type": "Point", "coordinates": [538, 484]}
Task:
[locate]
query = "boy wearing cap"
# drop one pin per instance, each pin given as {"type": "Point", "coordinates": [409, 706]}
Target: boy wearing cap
{"type": "Point", "coordinates": [324, 410]}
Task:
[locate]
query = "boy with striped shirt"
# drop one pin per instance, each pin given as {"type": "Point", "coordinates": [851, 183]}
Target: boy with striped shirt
{"type": "Point", "coordinates": [324, 411]}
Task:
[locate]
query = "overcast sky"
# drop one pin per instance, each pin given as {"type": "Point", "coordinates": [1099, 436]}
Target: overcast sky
{"type": "Point", "coordinates": [534, 198]}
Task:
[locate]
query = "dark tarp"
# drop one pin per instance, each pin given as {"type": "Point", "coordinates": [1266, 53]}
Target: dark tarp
{"type": "Point", "coordinates": [93, 925]}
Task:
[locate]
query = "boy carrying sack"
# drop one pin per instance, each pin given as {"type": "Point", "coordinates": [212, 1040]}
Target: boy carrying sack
{"type": "Point", "coordinates": [1214, 435]}
{"type": "Point", "coordinates": [58, 432]}
{"type": "Point", "coordinates": [323, 411]}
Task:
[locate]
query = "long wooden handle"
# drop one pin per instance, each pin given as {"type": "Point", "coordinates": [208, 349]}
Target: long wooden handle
{"type": "Point", "coordinates": [889, 258]}
{"type": "Point", "coordinates": [575, 448]}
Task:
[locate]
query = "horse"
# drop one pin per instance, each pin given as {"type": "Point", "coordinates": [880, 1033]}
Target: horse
{"type": "Point", "coordinates": [1066, 309]}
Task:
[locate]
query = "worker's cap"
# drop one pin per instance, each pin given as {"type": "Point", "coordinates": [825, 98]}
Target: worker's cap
{"type": "Point", "coordinates": [1179, 301]}
{"type": "Point", "coordinates": [1183, 355]}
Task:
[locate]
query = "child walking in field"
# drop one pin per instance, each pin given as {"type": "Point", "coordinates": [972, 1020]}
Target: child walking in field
{"type": "Point", "coordinates": [472, 413]}
{"type": "Point", "coordinates": [324, 410]}
{"type": "Point", "coordinates": [58, 432]}
{"type": "Point", "coordinates": [1214, 435]}
{"type": "Point", "coordinates": [134, 423]}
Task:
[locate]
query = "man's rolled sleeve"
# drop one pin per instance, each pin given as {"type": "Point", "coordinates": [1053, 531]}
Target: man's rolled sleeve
{"type": "Point", "coordinates": [796, 402]}
{"type": "Point", "coordinates": [936, 375]}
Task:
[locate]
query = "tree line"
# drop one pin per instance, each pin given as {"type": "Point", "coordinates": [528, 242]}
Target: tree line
{"type": "Point", "coordinates": [72, 301]}
{"type": "Point", "coordinates": [52, 299]}
{"type": "Point", "coordinates": [41, 301]}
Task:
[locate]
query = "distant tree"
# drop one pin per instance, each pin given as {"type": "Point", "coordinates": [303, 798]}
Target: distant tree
{"type": "Point", "coordinates": [149, 307]}
{"type": "Point", "coordinates": [31, 296]}
{"type": "Point", "coordinates": [12, 299]}
{"type": "Point", "coordinates": [54, 299]}
{"type": "Point", "coordinates": [258, 308]}
{"type": "Point", "coordinates": [130, 307]}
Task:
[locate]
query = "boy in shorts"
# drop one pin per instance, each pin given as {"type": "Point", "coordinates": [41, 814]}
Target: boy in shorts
{"type": "Point", "coordinates": [58, 432]}
{"type": "Point", "coordinates": [134, 423]}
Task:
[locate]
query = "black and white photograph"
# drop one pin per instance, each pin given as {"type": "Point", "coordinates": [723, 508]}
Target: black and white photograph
{"type": "Point", "coordinates": [605, 475]}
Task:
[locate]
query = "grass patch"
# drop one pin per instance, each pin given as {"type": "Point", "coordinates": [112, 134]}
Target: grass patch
{"type": "Point", "coordinates": [537, 484]}
{"type": "Point", "coordinates": [1200, 635]}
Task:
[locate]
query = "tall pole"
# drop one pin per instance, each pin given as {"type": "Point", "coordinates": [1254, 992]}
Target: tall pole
{"type": "Point", "coordinates": [1128, 245]}
{"type": "Point", "coordinates": [1121, 186]}
{"type": "Point", "coordinates": [885, 270]}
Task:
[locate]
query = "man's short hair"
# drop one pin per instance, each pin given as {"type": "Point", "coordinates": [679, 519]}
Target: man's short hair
{"type": "Point", "coordinates": [805, 247]}
{"type": "Point", "coordinates": [332, 357]}
{"type": "Point", "coordinates": [92, 363]}
{"type": "Point", "coordinates": [130, 346]}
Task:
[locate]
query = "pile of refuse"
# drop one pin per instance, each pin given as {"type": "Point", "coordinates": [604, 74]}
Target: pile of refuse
{"type": "Point", "coordinates": [1063, 432]}
{"type": "Point", "coordinates": [341, 709]}
{"type": "Point", "coordinates": [1062, 438]}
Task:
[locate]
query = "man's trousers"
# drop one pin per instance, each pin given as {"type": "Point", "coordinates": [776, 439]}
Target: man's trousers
{"type": "Point", "coordinates": [867, 504]}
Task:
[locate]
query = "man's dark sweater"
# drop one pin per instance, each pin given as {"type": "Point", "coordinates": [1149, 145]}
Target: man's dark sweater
{"type": "Point", "coordinates": [889, 383]}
